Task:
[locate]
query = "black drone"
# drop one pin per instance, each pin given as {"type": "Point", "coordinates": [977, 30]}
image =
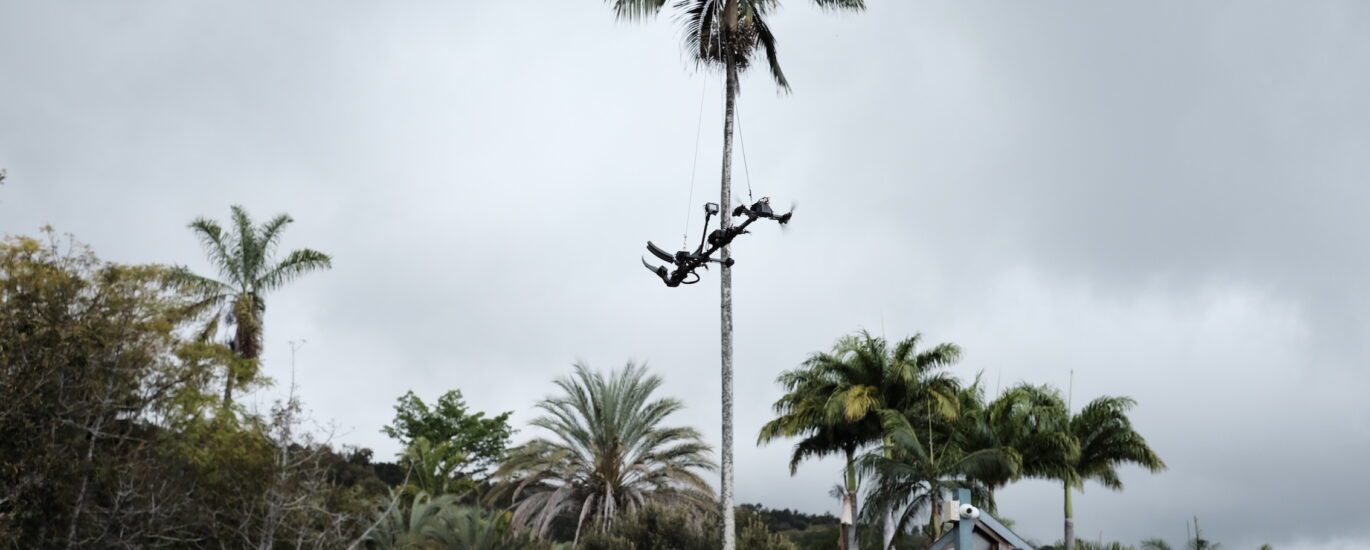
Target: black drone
{"type": "Point", "coordinates": [687, 262]}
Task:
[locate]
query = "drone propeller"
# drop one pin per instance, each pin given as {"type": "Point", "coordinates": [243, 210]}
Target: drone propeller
{"type": "Point", "coordinates": [660, 271]}
{"type": "Point", "coordinates": [784, 219]}
{"type": "Point", "coordinates": [659, 253]}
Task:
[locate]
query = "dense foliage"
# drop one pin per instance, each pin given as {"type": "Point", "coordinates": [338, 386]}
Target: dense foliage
{"type": "Point", "coordinates": [108, 431]}
{"type": "Point", "coordinates": [114, 433]}
{"type": "Point", "coordinates": [450, 421]}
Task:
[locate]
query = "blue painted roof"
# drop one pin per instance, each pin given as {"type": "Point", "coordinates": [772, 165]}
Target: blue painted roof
{"type": "Point", "coordinates": [987, 523]}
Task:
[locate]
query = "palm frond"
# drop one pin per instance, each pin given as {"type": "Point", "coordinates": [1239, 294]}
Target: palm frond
{"type": "Point", "coordinates": [297, 263]}
{"type": "Point", "coordinates": [636, 9]}
{"type": "Point", "coordinates": [851, 5]}
{"type": "Point", "coordinates": [219, 248]}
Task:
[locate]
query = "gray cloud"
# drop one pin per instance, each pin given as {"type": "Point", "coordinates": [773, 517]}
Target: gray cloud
{"type": "Point", "coordinates": [1164, 198]}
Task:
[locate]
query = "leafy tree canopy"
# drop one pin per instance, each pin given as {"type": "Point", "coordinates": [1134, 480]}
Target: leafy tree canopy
{"type": "Point", "coordinates": [450, 421]}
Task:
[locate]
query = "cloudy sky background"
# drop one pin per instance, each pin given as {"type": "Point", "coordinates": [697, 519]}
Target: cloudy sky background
{"type": "Point", "coordinates": [1166, 198]}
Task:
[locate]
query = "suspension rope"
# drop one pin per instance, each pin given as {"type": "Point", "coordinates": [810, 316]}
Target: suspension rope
{"type": "Point", "coordinates": [737, 113]}
{"type": "Point", "coordinates": [694, 166]}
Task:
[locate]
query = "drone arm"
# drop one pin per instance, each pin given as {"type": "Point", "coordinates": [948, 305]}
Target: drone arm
{"type": "Point", "coordinates": [659, 253]}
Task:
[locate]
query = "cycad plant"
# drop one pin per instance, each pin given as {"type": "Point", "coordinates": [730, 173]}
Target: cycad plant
{"type": "Point", "coordinates": [608, 452]}
{"type": "Point", "coordinates": [729, 35]}
{"type": "Point", "coordinates": [440, 523]}
{"type": "Point", "coordinates": [249, 268]}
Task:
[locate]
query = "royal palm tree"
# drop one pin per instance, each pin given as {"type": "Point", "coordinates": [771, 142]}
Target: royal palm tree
{"type": "Point", "coordinates": [727, 34]}
{"type": "Point", "coordinates": [834, 400]}
{"type": "Point", "coordinates": [1032, 421]}
{"type": "Point", "coordinates": [608, 454]}
{"type": "Point", "coordinates": [919, 466]}
{"type": "Point", "coordinates": [1106, 440]}
{"type": "Point", "coordinates": [248, 268]}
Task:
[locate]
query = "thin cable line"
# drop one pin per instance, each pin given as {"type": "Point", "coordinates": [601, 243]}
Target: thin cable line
{"type": "Point", "coordinates": [694, 167]}
{"type": "Point", "coordinates": [745, 169]}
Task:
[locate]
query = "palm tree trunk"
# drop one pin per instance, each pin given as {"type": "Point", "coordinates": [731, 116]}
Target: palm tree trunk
{"type": "Point", "coordinates": [228, 387]}
{"type": "Point", "coordinates": [890, 523]}
{"type": "Point", "coordinates": [725, 497]}
{"type": "Point", "coordinates": [1069, 540]}
{"type": "Point", "coordinates": [851, 498]}
{"type": "Point", "coordinates": [935, 519]}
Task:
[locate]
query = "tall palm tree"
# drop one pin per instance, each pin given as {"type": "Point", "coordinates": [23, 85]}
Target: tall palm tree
{"type": "Point", "coordinates": [727, 34]}
{"type": "Point", "coordinates": [919, 466]}
{"type": "Point", "coordinates": [246, 260]}
{"type": "Point", "coordinates": [834, 400]}
{"type": "Point", "coordinates": [1033, 421]}
{"type": "Point", "coordinates": [1036, 422]}
{"type": "Point", "coordinates": [1106, 440]}
{"type": "Point", "coordinates": [609, 454]}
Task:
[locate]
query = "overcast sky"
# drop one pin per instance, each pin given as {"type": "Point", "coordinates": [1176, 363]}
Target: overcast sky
{"type": "Point", "coordinates": [1165, 197]}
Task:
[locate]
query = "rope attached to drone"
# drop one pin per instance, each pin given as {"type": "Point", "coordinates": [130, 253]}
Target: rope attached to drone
{"type": "Point", "coordinates": [694, 165]}
{"type": "Point", "coordinates": [686, 261]}
{"type": "Point", "coordinates": [746, 170]}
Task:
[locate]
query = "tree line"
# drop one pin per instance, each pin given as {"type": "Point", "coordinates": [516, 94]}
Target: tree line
{"type": "Point", "coordinates": [119, 428]}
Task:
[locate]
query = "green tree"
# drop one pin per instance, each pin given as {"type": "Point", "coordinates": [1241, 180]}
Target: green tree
{"type": "Point", "coordinates": [434, 468]}
{"type": "Point", "coordinates": [834, 401]}
{"type": "Point", "coordinates": [919, 469]}
{"type": "Point", "coordinates": [1104, 435]}
{"type": "Point", "coordinates": [728, 35]}
{"type": "Point", "coordinates": [609, 454]}
{"type": "Point", "coordinates": [248, 269]}
{"type": "Point", "coordinates": [84, 347]}
{"type": "Point", "coordinates": [450, 421]}
{"type": "Point", "coordinates": [1032, 421]}
{"type": "Point", "coordinates": [108, 436]}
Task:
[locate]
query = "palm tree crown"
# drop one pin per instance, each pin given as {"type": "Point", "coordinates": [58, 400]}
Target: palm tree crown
{"type": "Point", "coordinates": [835, 400]}
{"type": "Point", "coordinates": [609, 454]}
{"type": "Point", "coordinates": [1051, 443]}
{"type": "Point", "coordinates": [706, 23]}
{"type": "Point", "coordinates": [838, 395]}
{"type": "Point", "coordinates": [919, 467]}
{"type": "Point", "coordinates": [1107, 440]}
{"type": "Point", "coordinates": [248, 269]}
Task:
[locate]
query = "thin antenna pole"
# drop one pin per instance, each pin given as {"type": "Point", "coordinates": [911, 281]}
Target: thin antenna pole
{"type": "Point", "coordinates": [1070, 393]}
{"type": "Point", "coordinates": [295, 345]}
